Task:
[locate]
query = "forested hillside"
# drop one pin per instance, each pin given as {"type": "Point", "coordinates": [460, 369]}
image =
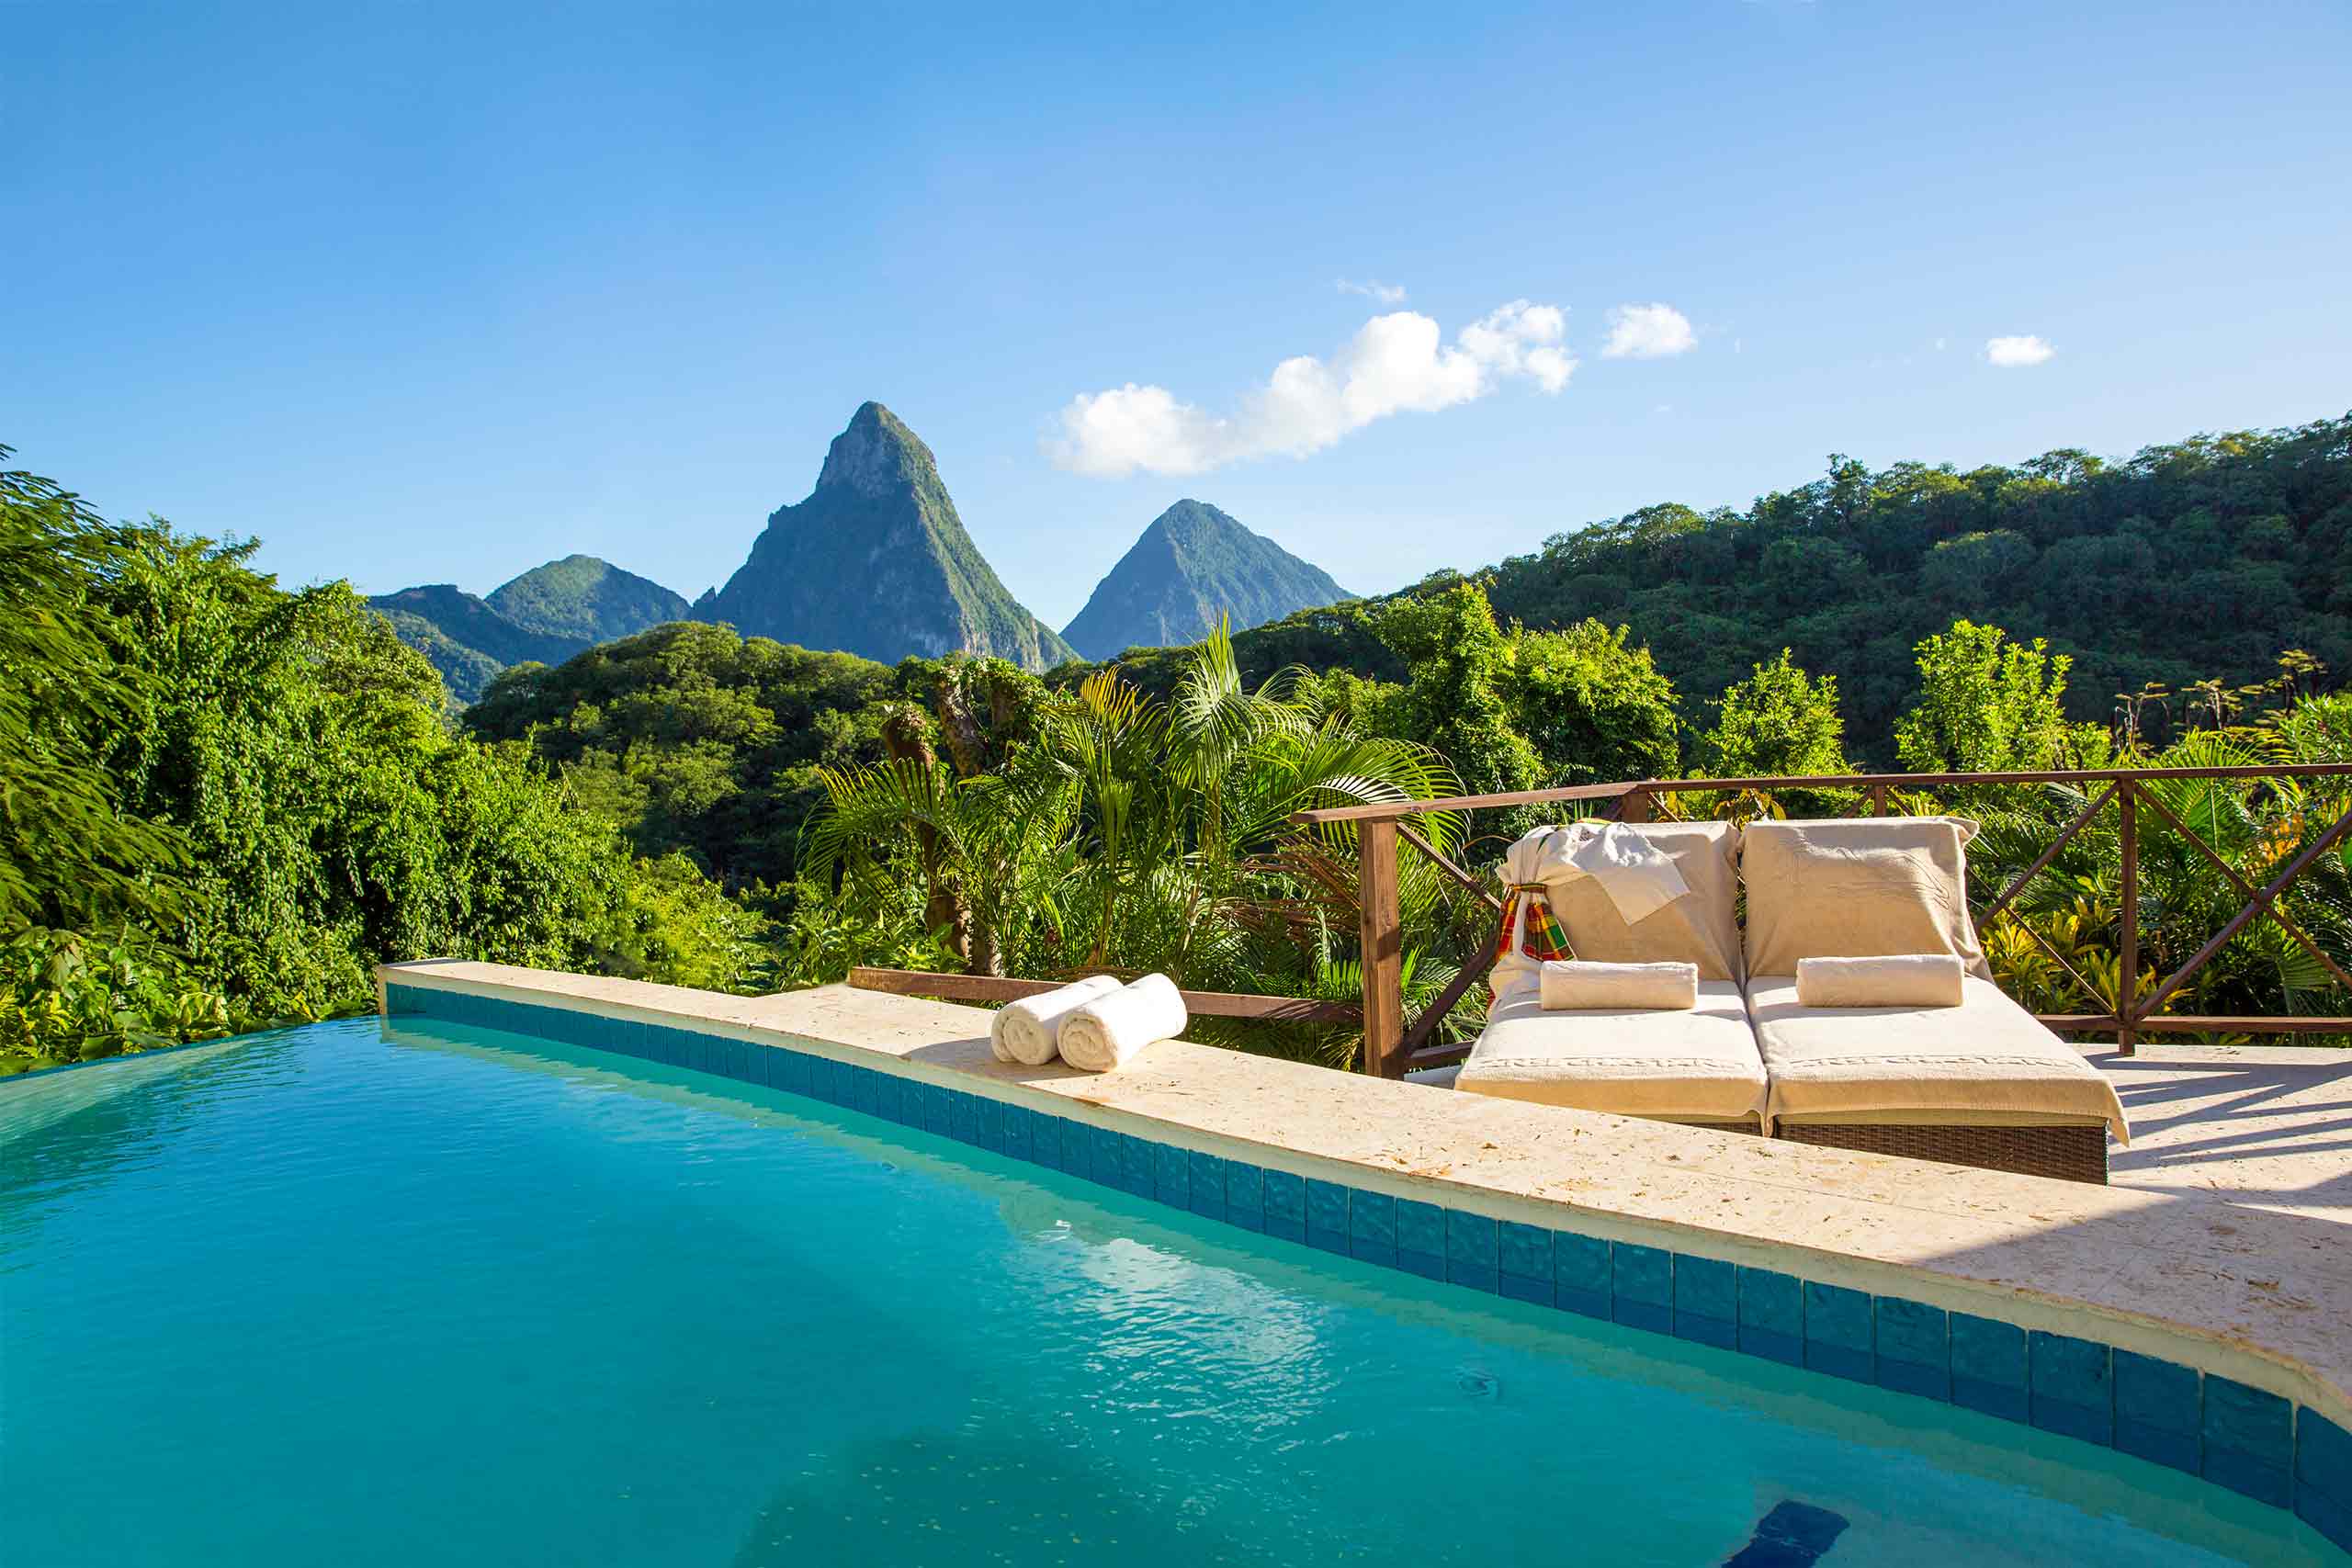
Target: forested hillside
{"type": "Point", "coordinates": [2197, 560]}
{"type": "Point", "coordinates": [222, 803]}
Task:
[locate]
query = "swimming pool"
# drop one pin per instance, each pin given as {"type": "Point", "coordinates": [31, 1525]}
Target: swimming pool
{"type": "Point", "coordinates": [425, 1292]}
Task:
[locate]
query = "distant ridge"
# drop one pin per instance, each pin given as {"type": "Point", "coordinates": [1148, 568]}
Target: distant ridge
{"type": "Point", "coordinates": [547, 614]}
{"type": "Point", "coordinates": [1193, 565]}
{"type": "Point", "coordinates": [876, 562]}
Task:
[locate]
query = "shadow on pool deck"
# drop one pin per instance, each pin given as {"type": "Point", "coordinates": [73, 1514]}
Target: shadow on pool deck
{"type": "Point", "coordinates": [2265, 1127]}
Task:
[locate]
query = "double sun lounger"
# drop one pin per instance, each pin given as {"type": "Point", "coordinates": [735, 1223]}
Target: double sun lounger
{"type": "Point", "coordinates": [1981, 1083]}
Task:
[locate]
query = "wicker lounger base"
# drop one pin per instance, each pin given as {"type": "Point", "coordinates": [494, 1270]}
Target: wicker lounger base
{"type": "Point", "coordinates": [2069, 1154]}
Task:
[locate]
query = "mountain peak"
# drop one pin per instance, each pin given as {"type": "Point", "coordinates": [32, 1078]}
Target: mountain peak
{"type": "Point", "coordinates": [875, 455]}
{"type": "Point", "coordinates": [1191, 564]}
{"type": "Point", "coordinates": [876, 562]}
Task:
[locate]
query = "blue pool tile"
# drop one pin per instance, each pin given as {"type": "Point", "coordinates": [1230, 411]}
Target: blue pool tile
{"type": "Point", "coordinates": [1077, 1148]}
{"type": "Point", "coordinates": [2326, 1515]}
{"type": "Point", "coordinates": [987, 1123]}
{"type": "Point", "coordinates": [1837, 1331]}
{"type": "Point", "coordinates": [1472, 1251]}
{"type": "Point", "coordinates": [1420, 1227]}
{"type": "Point", "coordinates": [1706, 1300]}
{"type": "Point", "coordinates": [2157, 1410]}
{"type": "Point", "coordinates": [2249, 1441]}
{"type": "Point", "coordinates": [1015, 1132]}
{"type": "Point", "coordinates": [1119, 1161]}
{"type": "Point", "coordinates": [2323, 1456]}
{"type": "Point", "coordinates": [1641, 1286]}
{"type": "Point", "coordinates": [1427, 1265]}
{"type": "Point", "coordinates": [1988, 1369]}
{"type": "Point", "coordinates": [867, 1088]}
{"type": "Point", "coordinates": [1059, 1146]}
{"type": "Point", "coordinates": [910, 1102]}
{"type": "Point", "coordinates": [1285, 1197]}
{"type": "Point", "coordinates": [1170, 1175]}
{"type": "Point", "coordinates": [1520, 1288]}
{"type": "Point", "coordinates": [1580, 1271]}
{"type": "Point", "coordinates": [1245, 1195]}
{"type": "Point", "coordinates": [733, 1058]}
{"type": "Point", "coordinates": [792, 1073]}
{"type": "Point", "coordinates": [1772, 1315]}
{"type": "Point", "coordinates": [1327, 1216]}
{"type": "Point", "coordinates": [1123, 1161]}
{"type": "Point", "coordinates": [1524, 1254]}
{"type": "Point", "coordinates": [1204, 1184]}
{"type": "Point", "coordinates": [1372, 1226]}
{"type": "Point", "coordinates": [1912, 1347]}
{"type": "Point", "coordinates": [2073, 1386]}
{"type": "Point", "coordinates": [566, 1027]}
{"type": "Point", "coordinates": [962, 1117]}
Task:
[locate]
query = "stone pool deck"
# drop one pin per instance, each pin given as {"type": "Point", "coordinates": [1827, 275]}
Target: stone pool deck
{"type": "Point", "coordinates": [2226, 1239]}
{"type": "Point", "coordinates": [2259, 1126]}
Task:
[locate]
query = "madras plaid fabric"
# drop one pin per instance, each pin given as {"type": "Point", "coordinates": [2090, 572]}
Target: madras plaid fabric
{"type": "Point", "coordinates": [1528, 911]}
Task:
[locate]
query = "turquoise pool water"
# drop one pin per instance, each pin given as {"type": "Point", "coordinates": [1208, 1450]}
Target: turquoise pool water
{"type": "Point", "coordinates": [360, 1294]}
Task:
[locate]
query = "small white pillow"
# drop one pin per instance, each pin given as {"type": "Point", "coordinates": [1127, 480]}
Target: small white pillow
{"type": "Point", "coordinates": [1902, 980]}
{"type": "Point", "coordinates": [1573, 986]}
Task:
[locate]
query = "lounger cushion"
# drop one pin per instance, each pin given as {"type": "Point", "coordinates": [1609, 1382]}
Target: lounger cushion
{"type": "Point", "coordinates": [1984, 1063]}
{"type": "Point", "coordinates": [1861, 888]}
{"type": "Point", "coordinates": [1699, 1064]}
{"type": "Point", "coordinates": [1700, 927]}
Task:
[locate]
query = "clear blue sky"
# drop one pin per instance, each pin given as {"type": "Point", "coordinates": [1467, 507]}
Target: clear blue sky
{"type": "Point", "coordinates": [416, 295]}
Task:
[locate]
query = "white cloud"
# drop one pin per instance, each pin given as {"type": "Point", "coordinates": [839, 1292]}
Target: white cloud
{"type": "Point", "coordinates": [2010, 353]}
{"type": "Point", "coordinates": [1647, 332]}
{"type": "Point", "coordinates": [1941, 345]}
{"type": "Point", "coordinates": [1396, 362]}
{"type": "Point", "coordinates": [1383, 293]}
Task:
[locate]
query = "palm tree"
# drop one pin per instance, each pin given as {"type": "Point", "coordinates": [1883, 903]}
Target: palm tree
{"type": "Point", "coordinates": [1127, 833]}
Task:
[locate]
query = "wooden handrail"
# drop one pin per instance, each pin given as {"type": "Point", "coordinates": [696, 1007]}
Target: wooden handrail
{"type": "Point", "coordinates": [1396, 810]}
{"type": "Point", "coordinates": [1391, 1046]}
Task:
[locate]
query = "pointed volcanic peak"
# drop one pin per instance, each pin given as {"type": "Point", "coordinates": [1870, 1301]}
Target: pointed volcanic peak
{"type": "Point", "coordinates": [582, 597]}
{"type": "Point", "coordinates": [876, 562]}
{"type": "Point", "coordinates": [1193, 564]}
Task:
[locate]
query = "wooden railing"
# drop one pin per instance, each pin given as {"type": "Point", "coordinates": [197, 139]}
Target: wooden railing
{"type": "Point", "coordinates": [1392, 1045]}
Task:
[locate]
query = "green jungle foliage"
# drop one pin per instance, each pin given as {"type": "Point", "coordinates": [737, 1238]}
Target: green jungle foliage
{"type": "Point", "coordinates": [2194, 561]}
{"type": "Point", "coordinates": [222, 803]}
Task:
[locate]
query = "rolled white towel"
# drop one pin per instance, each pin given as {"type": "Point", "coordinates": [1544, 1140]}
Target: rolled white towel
{"type": "Point", "coordinates": [1899, 980]}
{"type": "Point", "coordinates": [1568, 985]}
{"type": "Point", "coordinates": [1027, 1032]}
{"type": "Point", "coordinates": [1106, 1032]}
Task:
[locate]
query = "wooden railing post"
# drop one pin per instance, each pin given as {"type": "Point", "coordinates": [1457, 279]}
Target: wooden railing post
{"type": "Point", "coordinates": [2126, 979]}
{"type": "Point", "coordinates": [1382, 929]}
{"type": "Point", "coordinates": [1634, 805]}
